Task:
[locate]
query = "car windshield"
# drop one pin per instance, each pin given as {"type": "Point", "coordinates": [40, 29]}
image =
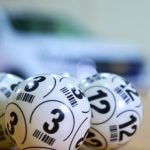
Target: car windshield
{"type": "Point", "coordinates": [43, 25]}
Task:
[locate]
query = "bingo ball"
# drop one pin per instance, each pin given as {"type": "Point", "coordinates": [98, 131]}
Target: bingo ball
{"type": "Point", "coordinates": [8, 82]}
{"type": "Point", "coordinates": [48, 112]}
{"type": "Point", "coordinates": [117, 111]}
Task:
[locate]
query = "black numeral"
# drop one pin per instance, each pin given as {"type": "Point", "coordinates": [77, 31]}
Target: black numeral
{"type": "Point", "coordinates": [127, 124]}
{"type": "Point", "coordinates": [55, 122]}
{"type": "Point", "coordinates": [36, 82]}
{"type": "Point", "coordinates": [100, 95]}
{"type": "Point", "coordinates": [131, 93]}
{"type": "Point", "coordinates": [92, 140]}
{"type": "Point", "coordinates": [12, 123]}
{"type": "Point", "coordinates": [77, 93]}
{"type": "Point", "coordinates": [13, 86]}
{"type": "Point", "coordinates": [79, 142]}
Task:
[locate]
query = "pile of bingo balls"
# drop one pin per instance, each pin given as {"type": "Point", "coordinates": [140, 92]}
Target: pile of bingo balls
{"type": "Point", "coordinates": [55, 112]}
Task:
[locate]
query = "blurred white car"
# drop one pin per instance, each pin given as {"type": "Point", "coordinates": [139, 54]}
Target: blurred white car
{"type": "Point", "coordinates": [32, 45]}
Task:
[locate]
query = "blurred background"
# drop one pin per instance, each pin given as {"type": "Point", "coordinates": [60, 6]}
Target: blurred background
{"type": "Point", "coordinates": [79, 37]}
{"type": "Point", "coordinates": [52, 36]}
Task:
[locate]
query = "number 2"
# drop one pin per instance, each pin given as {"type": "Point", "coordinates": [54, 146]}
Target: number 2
{"type": "Point", "coordinates": [123, 132]}
{"type": "Point", "coordinates": [92, 140]}
{"type": "Point", "coordinates": [100, 95]}
{"type": "Point", "coordinates": [81, 140]}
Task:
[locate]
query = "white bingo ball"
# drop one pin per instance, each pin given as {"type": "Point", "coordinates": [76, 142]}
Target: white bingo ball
{"type": "Point", "coordinates": [48, 112]}
{"type": "Point", "coordinates": [117, 111]}
{"type": "Point", "coordinates": [8, 82]}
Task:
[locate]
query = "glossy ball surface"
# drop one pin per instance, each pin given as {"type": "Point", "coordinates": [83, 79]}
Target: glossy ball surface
{"type": "Point", "coordinates": [8, 82]}
{"type": "Point", "coordinates": [48, 112]}
{"type": "Point", "coordinates": [117, 111]}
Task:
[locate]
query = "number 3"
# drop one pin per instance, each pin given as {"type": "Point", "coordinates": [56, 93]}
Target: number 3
{"type": "Point", "coordinates": [35, 84]}
{"type": "Point", "coordinates": [10, 127]}
{"type": "Point", "coordinates": [55, 122]}
{"type": "Point", "coordinates": [77, 93]}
